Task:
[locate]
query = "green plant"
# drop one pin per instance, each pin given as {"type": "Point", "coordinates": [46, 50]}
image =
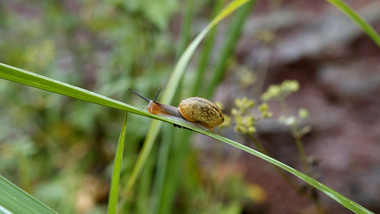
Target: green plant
{"type": "Point", "coordinates": [53, 85]}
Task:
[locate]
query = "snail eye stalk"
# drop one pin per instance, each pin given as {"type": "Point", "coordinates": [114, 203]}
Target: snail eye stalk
{"type": "Point", "coordinates": [141, 96]}
{"type": "Point", "coordinates": [155, 96]}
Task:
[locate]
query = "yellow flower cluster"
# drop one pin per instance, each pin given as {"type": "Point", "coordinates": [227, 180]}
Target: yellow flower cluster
{"type": "Point", "coordinates": [244, 123]}
{"type": "Point", "coordinates": [263, 108]}
{"type": "Point", "coordinates": [281, 90]}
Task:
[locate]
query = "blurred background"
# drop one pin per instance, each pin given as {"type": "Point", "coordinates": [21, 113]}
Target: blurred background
{"type": "Point", "coordinates": [61, 150]}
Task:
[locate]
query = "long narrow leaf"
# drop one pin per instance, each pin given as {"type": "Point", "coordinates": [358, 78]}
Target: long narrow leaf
{"type": "Point", "coordinates": [356, 18]}
{"type": "Point", "coordinates": [113, 197]}
{"type": "Point", "coordinates": [179, 69]}
{"type": "Point", "coordinates": [24, 77]}
{"type": "Point", "coordinates": [205, 53]}
{"type": "Point", "coordinates": [15, 200]}
{"type": "Point", "coordinates": [162, 166]}
{"type": "Point", "coordinates": [349, 204]}
{"type": "Point", "coordinates": [116, 104]}
{"type": "Point", "coordinates": [234, 32]}
{"type": "Point", "coordinates": [42, 82]}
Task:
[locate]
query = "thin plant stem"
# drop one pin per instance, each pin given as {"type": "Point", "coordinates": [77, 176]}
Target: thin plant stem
{"type": "Point", "coordinates": [297, 137]}
{"type": "Point", "coordinates": [293, 185]}
{"type": "Point", "coordinates": [301, 151]}
{"type": "Point", "coordinates": [280, 172]}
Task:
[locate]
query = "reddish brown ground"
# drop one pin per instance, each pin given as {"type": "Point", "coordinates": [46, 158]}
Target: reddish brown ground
{"type": "Point", "coordinates": [338, 68]}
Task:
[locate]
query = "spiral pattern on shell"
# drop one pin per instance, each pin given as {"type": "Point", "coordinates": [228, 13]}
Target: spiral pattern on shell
{"type": "Point", "coordinates": [201, 111]}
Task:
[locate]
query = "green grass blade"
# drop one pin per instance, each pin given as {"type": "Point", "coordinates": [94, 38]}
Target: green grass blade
{"type": "Point", "coordinates": [116, 104]}
{"type": "Point", "coordinates": [205, 53]}
{"type": "Point", "coordinates": [234, 31]}
{"type": "Point", "coordinates": [171, 88]}
{"type": "Point", "coordinates": [185, 27]}
{"type": "Point", "coordinates": [162, 166]}
{"type": "Point", "coordinates": [349, 204]}
{"type": "Point", "coordinates": [179, 69]}
{"type": "Point", "coordinates": [356, 18]}
{"type": "Point", "coordinates": [39, 81]}
{"type": "Point", "coordinates": [113, 197]}
{"type": "Point", "coordinates": [15, 200]}
{"type": "Point", "coordinates": [42, 82]}
{"type": "Point", "coordinates": [180, 152]}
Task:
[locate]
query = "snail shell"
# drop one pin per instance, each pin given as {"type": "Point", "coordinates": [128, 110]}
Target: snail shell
{"type": "Point", "coordinates": [195, 110]}
{"type": "Point", "coordinates": [202, 111]}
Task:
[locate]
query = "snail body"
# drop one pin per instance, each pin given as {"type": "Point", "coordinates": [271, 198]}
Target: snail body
{"type": "Point", "coordinates": [195, 110]}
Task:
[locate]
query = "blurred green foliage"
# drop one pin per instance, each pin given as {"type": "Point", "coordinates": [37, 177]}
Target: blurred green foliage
{"type": "Point", "coordinates": [61, 150]}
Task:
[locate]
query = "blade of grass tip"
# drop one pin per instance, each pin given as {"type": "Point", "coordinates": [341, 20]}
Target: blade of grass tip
{"type": "Point", "coordinates": [356, 18]}
{"type": "Point", "coordinates": [15, 200]}
{"type": "Point", "coordinates": [169, 91]}
{"type": "Point", "coordinates": [48, 84]}
{"type": "Point", "coordinates": [234, 32]}
{"type": "Point", "coordinates": [351, 205]}
{"type": "Point", "coordinates": [114, 191]}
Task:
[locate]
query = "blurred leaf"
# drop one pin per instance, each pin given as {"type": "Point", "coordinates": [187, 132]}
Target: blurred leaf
{"type": "Point", "coordinates": [157, 11]}
{"type": "Point", "coordinates": [15, 200]}
{"type": "Point", "coordinates": [234, 32]}
{"type": "Point", "coordinates": [356, 18]}
{"type": "Point", "coordinates": [114, 192]}
{"type": "Point", "coordinates": [48, 84]}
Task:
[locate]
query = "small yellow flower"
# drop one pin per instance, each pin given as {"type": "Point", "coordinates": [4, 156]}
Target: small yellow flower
{"type": "Point", "coordinates": [282, 90]}
{"type": "Point", "coordinates": [303, 113]}
{"type": "Point", "coordinates": [246, 76]}
{"type": "Point", "coordinates": [266, 36]}
{"type": "Point", "coordinates": [290, 86]}
{"type": "Point", "coordinates": [243, 104]}
{"type": "Point", "coordinates": [263, 108]}
{"type": "Point", "coordinates": [235, 112]}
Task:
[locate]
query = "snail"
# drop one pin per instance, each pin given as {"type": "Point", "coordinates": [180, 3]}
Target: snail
{"type": "Point", "coordinates": [195, 110]}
